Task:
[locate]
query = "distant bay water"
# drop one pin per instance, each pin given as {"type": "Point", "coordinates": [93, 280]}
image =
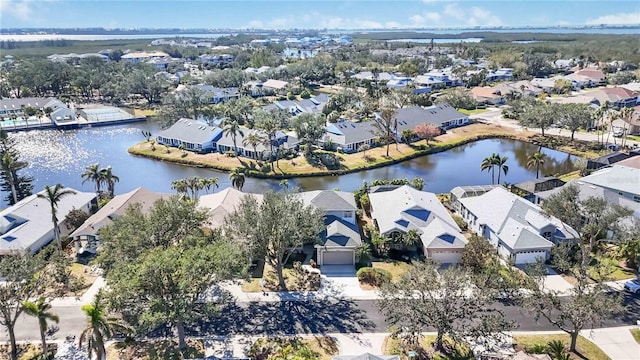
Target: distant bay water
{"type": "Point", "coordinates": [38, 37]}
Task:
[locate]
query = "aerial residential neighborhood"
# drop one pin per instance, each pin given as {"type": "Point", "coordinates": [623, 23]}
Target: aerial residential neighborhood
{"type": "Point", "coordinates": [343, 180]}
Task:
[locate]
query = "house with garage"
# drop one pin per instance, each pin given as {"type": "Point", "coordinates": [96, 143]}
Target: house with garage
{"type": "Point", "coordinates": [27, 227]}
{"type": "Point", "coordinates": [341, 236]}
{"type": "Point", "coordinates": [194, 135]}
{"type": "Point", "coordinates": [488, 95]}
{"type": "Point", "coordinates": [395, 212]}
{"type": "Point", "coordinates": [349, 136]}
{"type": "Point", "coordinates": [517, 228]}
{"type": "Point", "coordinates": [86, 238]}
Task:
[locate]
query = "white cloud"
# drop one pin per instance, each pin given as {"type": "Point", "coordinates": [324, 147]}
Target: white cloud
{"type": "Point", "coordinates": [19, 9]}
{"type": "Point", "coordinates": [616, 19]}
{"type": "Point", "coordinates": [483, 17]}
{"type": "Point", "coordinates": [454, 11]}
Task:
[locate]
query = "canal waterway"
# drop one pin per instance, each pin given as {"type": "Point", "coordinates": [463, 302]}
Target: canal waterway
{"type": "Point", "coordinates": [60, 157]}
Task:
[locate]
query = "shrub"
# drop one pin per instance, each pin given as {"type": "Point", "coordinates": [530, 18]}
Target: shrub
{"type": "Point", "coordinates": [536, 349]}
{"type": "Point", "coordinates": [305, 94]}
{"type": "Point", "coordinates": [373, 276]}
{"type": "Point", "coordinates": [460, 222]}
{"type": "Point", "coordinates": [265, 168]}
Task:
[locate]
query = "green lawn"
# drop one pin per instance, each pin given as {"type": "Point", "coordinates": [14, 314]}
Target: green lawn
{"type": "Point", "coordinates": [636, 334]}
{"type": "Point", "coordinates": [612, 271]}
{"type": "Point", "coordinates": [586, 348]}
{"type": "Point", "coordinates": [392, 346]}
{"type": "Point", "coordinates": [291, 279]}
{"type": "Point", "coordinates": [633, 137]}
{"type": "Point", "coordinates": [473, 112]}
{"type": "Point", "coordinates": [570, 176]}
{"type": "Point", "coordinates": [396, 268]}
{"type": "Point", "coordinates": [155, 350]}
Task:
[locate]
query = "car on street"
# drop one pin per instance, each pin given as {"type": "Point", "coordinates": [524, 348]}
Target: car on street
{"type": "Point", "coordinates": [633, 286]}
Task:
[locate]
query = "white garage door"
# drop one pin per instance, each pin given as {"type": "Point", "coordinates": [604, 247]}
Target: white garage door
{"type": "Point", "coordinates": [446, 257]}
{"type": "Point", "coordinates": [338, 258]}
{"type": "Point", "coordinates": [530, 257]}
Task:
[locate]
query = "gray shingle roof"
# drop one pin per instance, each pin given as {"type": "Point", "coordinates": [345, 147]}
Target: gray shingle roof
{"type": "Point", "coordinates": [353, 132]}
{"type": "Point", "coordinates": [116, 207]}
{"type": "Point", "coordinates": [191, 131]}
{"type": "Point", "coordinates": [617, 178]}
{"type": "Point", "coordinates": [222, 204]}
{"type": "Point", "coordinates": [340, 233]}
{"type": "Point", "coordinates": [329, 200]}
{"type": "Point", "coordinates": [410, 117]}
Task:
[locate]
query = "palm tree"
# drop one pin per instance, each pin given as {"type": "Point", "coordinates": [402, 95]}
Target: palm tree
{"type": "Point", "coordinates": [500, 162]}
{"type": "Point", "coordinates": [536, 159]}
{"type": "Point", "coordinates": [40, 310]}
{"type": "Point", "coordinates": [53, 195]}
{"type": "Point", "coordinates": [232, 128]}
{"type": "Point", "coordinates": [194, 185]}
{"type": "Point", "coordinates": [208, 183]}
{"type": "Point", "coordinates": [99, 328]}
{"type": "Point", "coordinates": [93, 173]}
{"type": "Point", "coordinates": [488, 164]}
{"type": "Point", "coordinates": [253, 139]}
{"type": "Point", "coordinates": [8, 165]}
{"type": "Point", "coordinates": [410, 239]}
{"type": "Point", "coordinates": [270, 127]}
{"type": "Point", "coordinates": [110, 179]}
{"type": "Point", "coordinates": [180, 186]}
{"type": "Point", "coordinates": [626, 115]}
{"type": "Point", "coordinates": [237, 178]}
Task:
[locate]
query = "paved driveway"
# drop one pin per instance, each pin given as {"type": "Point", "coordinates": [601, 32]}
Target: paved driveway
{"type": "Point", "coordinates": [554, 282]}
{"type": "Point", "coordinates": [618, 343]}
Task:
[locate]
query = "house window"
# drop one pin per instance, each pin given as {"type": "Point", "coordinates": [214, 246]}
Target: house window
{"type": "Point", "coordinates": [636, 198]}
{"type": "Point", "coordinates": [347, 214]}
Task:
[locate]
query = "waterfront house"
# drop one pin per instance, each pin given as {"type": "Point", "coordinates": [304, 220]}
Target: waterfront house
{"type": "Point", "coordinates": [27, 227]}
{"type": "Point", "coordinates": [442, 115]}
{"type": "Point", "coordinates": [87, 238]}
{"type": "Point", "coordinates": [622, 178]}
{"type": "Point", "coordinates": [349, 136]}
{"type": "Point", "coordinates": [517, 228]}
{"type": "Point", "coordinates": [282, 140]}
{"type": "Point", "coordinates": [341, 235]}
{"type": "Point", "coordinates": [460, 192]}
{"type": "Point", "coordinates": [16, 106]}
{"type": "Point", "coordinates": [194, 135]}
{"type": "Point", "coordinates": [397, 211]}
{"type": "Point", "coordinates": [606, 160]}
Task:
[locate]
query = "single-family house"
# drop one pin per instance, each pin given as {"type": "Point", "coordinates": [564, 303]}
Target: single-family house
{"type": "Point", "coordinates": [586, 191]}
{"type": "Point", "coordinates": [620, 178]}
{"type": "Point", "coordinates": [397, 211]}
{"type": "Point", "coordinates": [516, 227]}
{"type": "Point", "coordinates": [136, 57]}
{"type": "Point", "coordinates": [618, 97]}
{"type": "Point", "coordinates": [87, 238]}
{"type": "Point", "coordinates": [398, 82]}
{"type": "Point", "coordinates": [588, 77]}
{"type": "Point", "coordinates": [341, 235]}
{"type": "Point", "coordinates": [528, 189]}
{"type": "Point", "coordinates": [194, 135]}
{"type": "Point", "coordinates": [277, 86]}
{"type": "Point", "coordinates": [460, 192]}
{"type": "Point", "coordinates": [499, 75]}
{"type": "Point", "coordinates": [216, 59]}
{"type": "Point", "coordinates": [523, 89]}
{"type": "Point", "coordinates": [442, 115]}
{"type": "Point", "coordinates": [349, 135]}
{"type": "Point", "coordinates": [215, 95]}
{"type": "Point", "coordinates": [222, 204]}
{"type": "Point", "coordinates": [27, 227]}
{"type": "Point", "coordinates": [487, 95]}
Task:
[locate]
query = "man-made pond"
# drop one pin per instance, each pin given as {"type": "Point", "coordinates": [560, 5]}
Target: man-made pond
{"type": "Point", "coordinates": [61, 156]}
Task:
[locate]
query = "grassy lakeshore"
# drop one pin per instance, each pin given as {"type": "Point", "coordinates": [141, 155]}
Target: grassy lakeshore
{"type": "Point", "coordinates": [347, 163]}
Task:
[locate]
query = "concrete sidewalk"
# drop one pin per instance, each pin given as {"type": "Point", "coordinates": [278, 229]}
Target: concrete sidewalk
{"type": "Point", "coordinates": [85, 298]}
{"type": "Point", "coordinates": [617, 343]}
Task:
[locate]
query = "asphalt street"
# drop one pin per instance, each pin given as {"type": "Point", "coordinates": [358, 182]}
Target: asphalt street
{"type": "Point", "coordinates": [303, 317]}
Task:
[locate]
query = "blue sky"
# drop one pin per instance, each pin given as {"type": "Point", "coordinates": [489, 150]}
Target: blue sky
{"type": "Point", "coordinates": [282, 14]}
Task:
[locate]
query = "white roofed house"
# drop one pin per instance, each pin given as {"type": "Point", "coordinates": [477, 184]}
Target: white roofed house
{"type": "Point", "coordinates": [193, 134]}
{"type": "Point", "coordinates": [26, 226]}
{"type": "Point", "coordinates": [516, 227]}
{"type": "Point", "coordinates": [349, 135]}
{"type": "Point", "coordinates": [398, 211]}
{"type": "Point", "coordinates": [442, 115]}
{"type": "Point", "coordinates": [341, 236]}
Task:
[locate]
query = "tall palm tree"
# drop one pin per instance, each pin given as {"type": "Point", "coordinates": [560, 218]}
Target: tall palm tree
{"type": "Point", "coordinates": [110, 179]}
{"type": "Point", "coordinates": [180, 186]}
{"type": "Point", "coordinates": [232, 128]}
{"type": "Point", "coordinates": [99, 327]}
{"type": "Point", "coordinates": [207, 183]}
{"type": "Point", "coordinates": [40, 310]}
{"type": "Point", "coordinates": [194, 185]}
{"type": "Point", "coordinates": [53, 195]}
{"type": "Point", "coordinates": [237, 178]}
{"type": "Point", "coordinates": [488, 164]}
{"type": "Point", "coordinates": [8, 165]}
{"type": "Point", "coordinates": [270, 127]}
{"type": "Point", "coordinates": [500, 162]}
{"type": "Point", "coordinates": [253, 139]}
{"type": "Point", "coordinates": [626, 115]}
{"type": "Point", "coordinates": [536, 159]}
{"type": "Point", "coordinates": [94, 174]}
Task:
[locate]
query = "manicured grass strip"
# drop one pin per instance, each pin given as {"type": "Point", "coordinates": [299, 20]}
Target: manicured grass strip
{"type": "Point", "coordinates": [586, 348]}
{"type": "Point", "coordinates": [396, 268]}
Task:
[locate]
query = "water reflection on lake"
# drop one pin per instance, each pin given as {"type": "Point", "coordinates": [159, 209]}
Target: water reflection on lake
{"type": "Point", "coordinates": [60, 157]}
